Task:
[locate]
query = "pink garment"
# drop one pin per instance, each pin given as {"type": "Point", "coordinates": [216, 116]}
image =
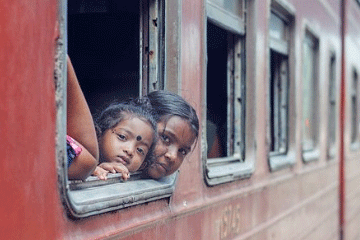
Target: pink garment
{"type": "Point", "coordinates": [73, 144]}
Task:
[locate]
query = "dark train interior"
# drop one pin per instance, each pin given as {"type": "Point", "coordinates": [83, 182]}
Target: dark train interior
{"type": "Point", "coordinates": [103, 44]}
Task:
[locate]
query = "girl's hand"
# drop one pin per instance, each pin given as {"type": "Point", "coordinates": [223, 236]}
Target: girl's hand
{"type": "Point", "coordinates": [113, 167]}
{"type": "Point", "coordinates": [100, 173]}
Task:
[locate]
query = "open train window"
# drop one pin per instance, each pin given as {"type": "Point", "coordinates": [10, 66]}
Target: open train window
{"type": "Point", "coordinates": [108, 40]}
{"type": "Point", "coordinates": [225, 93]}
{"type": "Point", "coordinates": [310, 124]}
{"type": "Point", "coordinates": [118, 50]}
{"type": "Point", "coordinates": [355, 130]}
{"type": "Point", "coordinates": [279, 85]}
{"type": "Point", "coordinates": [331, 150]}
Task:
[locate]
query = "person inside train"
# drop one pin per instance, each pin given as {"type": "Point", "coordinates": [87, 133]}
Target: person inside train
{"type": "Point", "coordinates": [178, 130]}
{"type": "Point", "coordinates": [213, 140]}
{"type": "Point", "coordinates": [121, 140]}
{"type": "Point", "coordinates": [126, 135]}
{"type": "Point", "coordinates": [81, 141]}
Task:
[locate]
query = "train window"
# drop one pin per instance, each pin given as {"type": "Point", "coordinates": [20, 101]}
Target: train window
{"type": "Point", "coordinates": [355, 135]}
{"type": "Point", "coordinates": [332, 108]}
{"type": "Point", "coordinates": [104, 41]}
{"type": "Point", "coordinates": [309, 101]}
{"type": "Point", "coordinates": [278, 99]}
{"type": "Point", "coordinates": [118, 49]}
{"type": "Point", "coordinates": [225, 91]}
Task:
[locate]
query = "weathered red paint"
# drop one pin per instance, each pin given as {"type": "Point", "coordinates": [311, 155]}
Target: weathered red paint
{"type": "Point", "coordinates": [301, 200]}
{"type": "Point", "coordinates": [30, 204]}
{"type": "Point", "coordinates": [192, 50]}
{"type": "Point", "coordinates": [247, 208]}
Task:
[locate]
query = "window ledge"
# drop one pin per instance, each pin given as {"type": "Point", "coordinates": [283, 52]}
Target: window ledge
{"type": "Point", "coordinates": [95, 196]}
{"type": "Point", "coordinates": [332, 151]}
{"type": "Point", "coordinates": [309, 156]}
{"type": "Point", "coordinates": [223, 170]}
{"type": "Point", "coordinates": [279, 161]}
{"type": "Point", "coordinates": [355, 146]}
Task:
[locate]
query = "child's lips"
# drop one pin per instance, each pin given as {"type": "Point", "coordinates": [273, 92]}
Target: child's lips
{"type": "Point", "coordinates": [122, 159]}
{"type": "Point", "coordinates": [161, 166]}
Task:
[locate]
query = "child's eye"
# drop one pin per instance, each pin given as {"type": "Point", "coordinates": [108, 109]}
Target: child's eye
{"type": "Point", "coordinates": [183, 152]}
{"type": "Point", "coordinates": [121, 137]}
{"type": "Point", "coordinates": [165, 138]}
{"type": "Point", "coordinates": [141, 151]}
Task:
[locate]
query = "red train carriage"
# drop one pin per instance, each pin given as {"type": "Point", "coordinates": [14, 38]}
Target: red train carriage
{"type": "Point", "coordinates": [275, 85]}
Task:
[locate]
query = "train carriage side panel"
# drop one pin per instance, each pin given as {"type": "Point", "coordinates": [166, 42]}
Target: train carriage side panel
{"type": "Point", "coordinates": [30, 203]}
{"type": "Point", "coordinates": [285, 204]}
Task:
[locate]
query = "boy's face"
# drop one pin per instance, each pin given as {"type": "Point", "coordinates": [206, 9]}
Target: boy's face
{"type": "Point", "coordinates": [127, 143]}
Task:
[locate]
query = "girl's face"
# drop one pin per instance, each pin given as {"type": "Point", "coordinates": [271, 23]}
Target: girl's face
{"type": "Point", "coordinates": [175, 140]}
{"type": "Point", "coordinates": [127, 143]}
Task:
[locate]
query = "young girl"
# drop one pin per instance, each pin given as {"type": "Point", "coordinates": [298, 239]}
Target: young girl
{"type": "Point", "coordinates": [177, 128]}
{"type": "Point", "coordinates": [126, 135]}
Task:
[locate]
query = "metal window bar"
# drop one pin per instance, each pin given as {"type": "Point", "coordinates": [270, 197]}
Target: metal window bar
{"type": "Point", "coordinates": [153, 53]}
{"type": "Point", "coordinates": [354, 100]}
{"type": "Point", "coordinates": [239, 98]}
{"type": "Point", "coordinates": [144, 47]}
{"type": "Point", "coordinates": [332, 104]}
{"type": "Point", "coordinates": [151, 45]}
{"type": "Point", "coordinates": [230, 92]}
{"type": "Point", "coordinates": [283, 90]}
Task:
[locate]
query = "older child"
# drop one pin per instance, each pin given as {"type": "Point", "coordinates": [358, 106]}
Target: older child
{"type": "Point", "coordinates": [126, 135]}
{"type": "Point", "coordinates": [177, 129]}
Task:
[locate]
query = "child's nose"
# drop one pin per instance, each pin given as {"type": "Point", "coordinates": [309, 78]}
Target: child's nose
{"type": "Point", "coordinates": [129, 149]}
{"type": "Point", "coordinates": [171, 154]}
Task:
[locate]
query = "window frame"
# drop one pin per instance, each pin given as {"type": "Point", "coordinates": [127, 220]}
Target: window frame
{"type": "Point", "coordinates": [78, 196]}
{"type": "Point", "coordinates": [355, 115]}
{"type": "Point", "coordinates": [226, 169]}
{"type": "Point", "coordinates": [313, 40]}
{"type": "Point", "coordinates": [332, 108]}
{"type": "Point", "coordinates": [151, 48]}
{"type": "Point", "coordinates": [282, 157]}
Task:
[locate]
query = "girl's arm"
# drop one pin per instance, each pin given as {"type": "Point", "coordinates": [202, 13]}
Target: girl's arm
{"type": "Point", "coordinates": [82, 165]}
{"type": "Point", "coordinates": [80, 126]}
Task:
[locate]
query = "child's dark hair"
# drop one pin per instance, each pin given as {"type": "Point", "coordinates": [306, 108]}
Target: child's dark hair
{"type": "Point", "coordinates": [167, 104]}
{"type": "Point", "coordinates": [117, 112]}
